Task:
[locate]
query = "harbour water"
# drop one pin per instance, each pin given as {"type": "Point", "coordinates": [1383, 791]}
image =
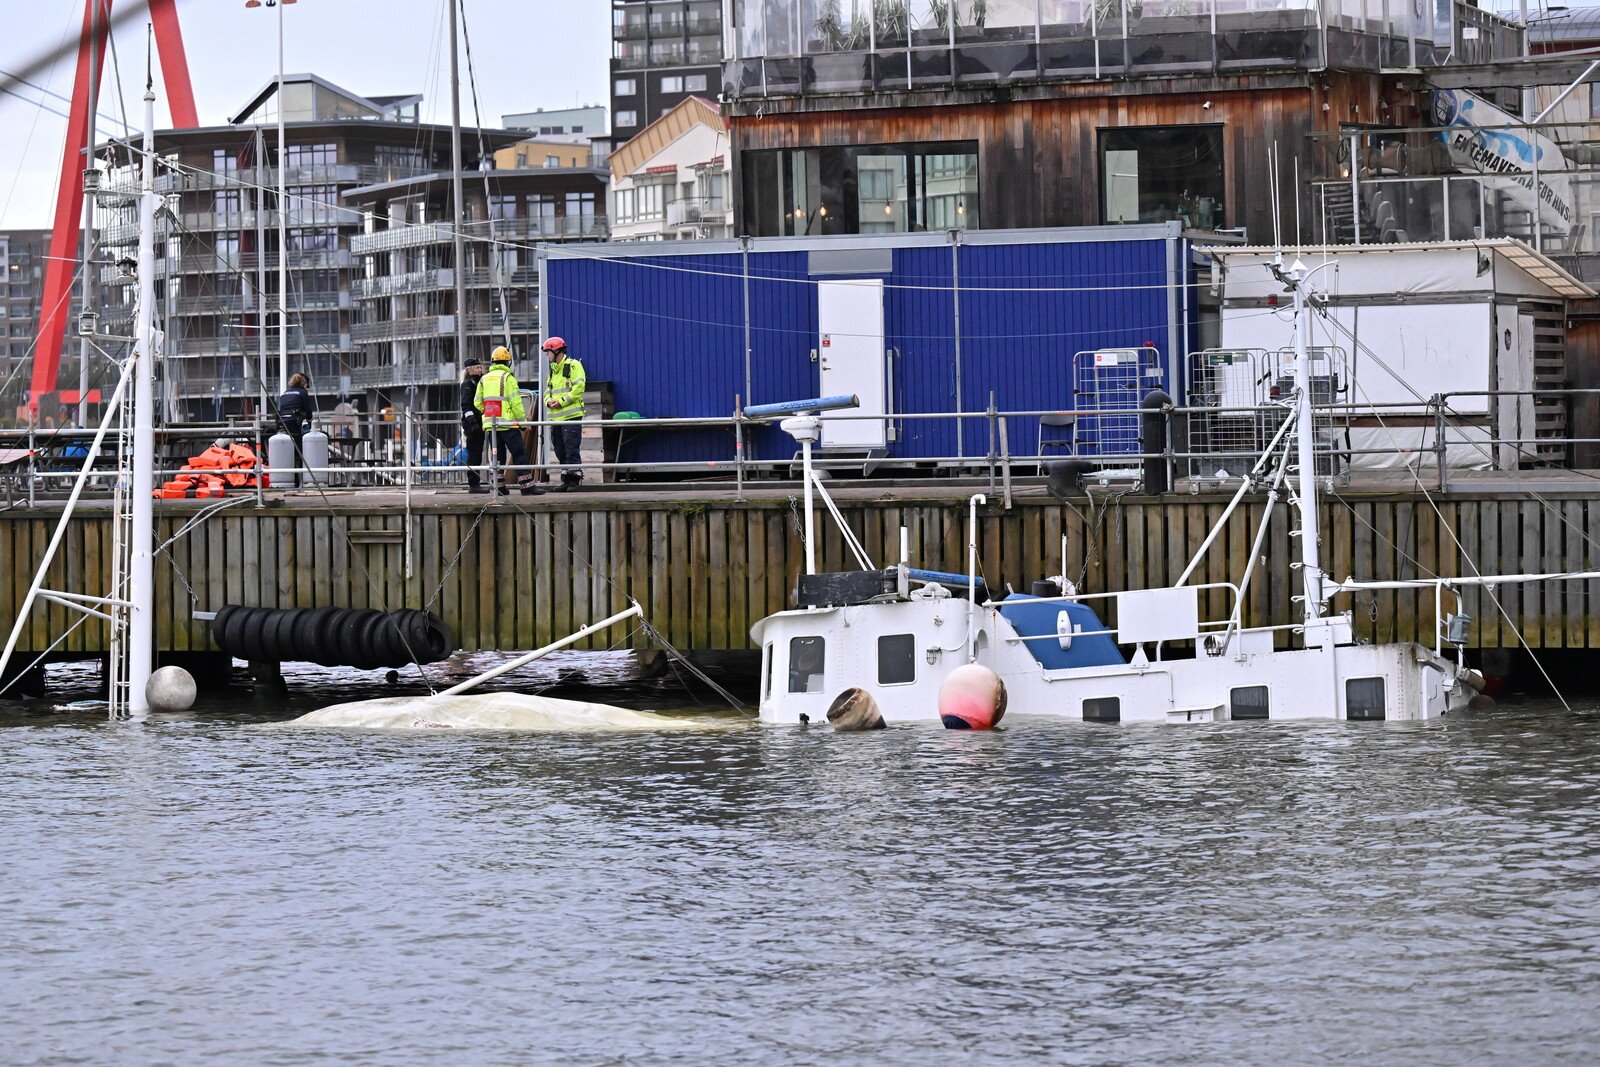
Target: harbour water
{"type": "Point", "coordinates": [199, 888]}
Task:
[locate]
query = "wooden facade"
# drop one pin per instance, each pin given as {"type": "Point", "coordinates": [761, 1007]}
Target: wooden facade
{"type": "Point", "coordinates": [1038, 156]}
{"type": "Point", "coordinates": [705, 569]}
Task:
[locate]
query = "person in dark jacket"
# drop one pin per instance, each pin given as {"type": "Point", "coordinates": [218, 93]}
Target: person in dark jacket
{"type": "Point", "coordinates": [472, 423]}
{"type": "Point", "coordinates": [294, 408]}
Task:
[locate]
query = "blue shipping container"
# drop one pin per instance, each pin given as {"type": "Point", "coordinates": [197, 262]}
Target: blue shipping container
{"type": "Point", "coordinates": [683, 330]}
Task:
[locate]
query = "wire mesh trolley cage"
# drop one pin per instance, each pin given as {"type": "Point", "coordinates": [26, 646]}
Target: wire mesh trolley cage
{"type": "Point", "coordinates": [1247, 392]}
{"type": "Point", "coordinates": [1108, 385]}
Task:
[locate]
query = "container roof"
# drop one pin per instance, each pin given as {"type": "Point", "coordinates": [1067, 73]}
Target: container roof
{"type": "Point", "coordinates": [1535, 264]}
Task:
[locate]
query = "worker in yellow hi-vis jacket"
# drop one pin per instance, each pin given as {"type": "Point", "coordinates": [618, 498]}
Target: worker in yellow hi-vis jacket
{"type": "Point", "coordinates": [500, 400]}
{"type": "Point", "coordinates": [563, 400]}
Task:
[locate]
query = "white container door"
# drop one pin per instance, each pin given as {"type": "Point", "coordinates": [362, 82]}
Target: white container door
{"type": "Point", "coordinates": [850, 359]}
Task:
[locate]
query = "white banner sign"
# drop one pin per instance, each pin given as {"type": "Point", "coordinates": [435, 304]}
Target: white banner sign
{"type": "Point", "coordinates": [1485, 140]}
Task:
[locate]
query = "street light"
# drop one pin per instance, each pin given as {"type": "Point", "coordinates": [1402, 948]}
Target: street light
{"type": "Point", "coordinates": [283, 202]}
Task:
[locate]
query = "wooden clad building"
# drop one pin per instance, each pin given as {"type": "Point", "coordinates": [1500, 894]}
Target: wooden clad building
{"type": "Point", "coordinates": [1033, 113]}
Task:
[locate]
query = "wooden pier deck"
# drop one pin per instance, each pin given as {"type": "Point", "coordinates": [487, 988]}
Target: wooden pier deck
{"type": "Point", "coordinates": [516, 572]}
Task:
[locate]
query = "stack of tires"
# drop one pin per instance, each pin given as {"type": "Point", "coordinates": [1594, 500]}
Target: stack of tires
{"type": "Point", "coordinates": [333, 637]}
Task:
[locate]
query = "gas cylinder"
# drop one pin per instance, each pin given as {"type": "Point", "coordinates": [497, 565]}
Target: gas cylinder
{"type": "Point", "coordinates": [281, 461]}
{"type": "Point", "coordinates": [314, 455]}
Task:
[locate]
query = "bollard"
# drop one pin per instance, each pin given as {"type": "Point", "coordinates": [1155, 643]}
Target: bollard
{"type": "Point", "coordinates": [1153, 441]}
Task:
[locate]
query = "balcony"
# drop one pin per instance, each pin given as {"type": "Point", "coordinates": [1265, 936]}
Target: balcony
{"type": "Point", "coordinates": [1463, 182]}
{"type": "Point", "coordinates": [415, 329]}
{"type": "Point", "coordinates": [395, 238]}
{"type": "Point", "coordinates": [498, 322]}
{"type": "Point", "coordinates": [693, 210]}
{"type": "Point", "coordinates": [520, 277]}
{"type": "Point", "coordinates": [398, 237]}
{"type": "Point", "coordinates": [421, 281]}
{"type": "Point", "coordinates": [402, 374]}
{"type": "Point", "coordinates": [630, 30]}
{"type": "Point", "coordinates": [331, 257]}
{"type": "Point", "coordinates": [211, 305]}
{"type": "Point", "coordinates": [805, 51]}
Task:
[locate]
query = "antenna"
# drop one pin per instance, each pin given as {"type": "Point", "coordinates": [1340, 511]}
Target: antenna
{"type": "Point", "coordinates": [1299, 234]}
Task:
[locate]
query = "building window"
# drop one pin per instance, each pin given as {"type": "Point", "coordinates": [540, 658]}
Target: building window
{"type": "Point", "coordinates": [224, 162]}
{"type": "Point", "coordinates": [806, 658]}
{"type": "Point", "coordinates": [401, 159]}
{"type": "Point", "coordinates": [861, 189]}
{"type": "Point", "coordinates": [311, 155]}
{"type": "Point", "coordinates": [694, 83]}
{"type": "Point", "coordinates": [627, 118]}
{"type": "Point", "coordinates": [313, 239]}
{"type": "Point", "coordinates": [1248, 702]}
{"type": "Point", "coordinates": [897, 659]}
{"type": "Point", "coordinates": [624, 87]}
{"type": "Point", "coordinates": [672, 84]}
{"type": "Point", "coordinates": [552, 161]}
{"type": "Point", "coordinates": [502, 206]}
{"type": "Point", "coordinates": [1162, 173]}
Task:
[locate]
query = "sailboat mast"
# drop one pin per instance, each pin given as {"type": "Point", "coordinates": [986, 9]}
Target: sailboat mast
{"type": "Point", "coordinates": [141, 575]}
{"type": "Point", "coordinates": [455, 190]}
{"type": "Point", "coordinates": [1310, 561]}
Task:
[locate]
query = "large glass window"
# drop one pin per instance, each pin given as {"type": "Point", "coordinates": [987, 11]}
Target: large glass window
{"type": "Point", "coordinates": [861, 189]}
{"type": "Point", "coordinates": [1161, 173]}
{"type": "Point", "coordinates": [311, 155]}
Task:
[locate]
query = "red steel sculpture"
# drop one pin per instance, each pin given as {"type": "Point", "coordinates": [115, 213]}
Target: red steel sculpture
{"type": "Point", "coordinates": [58, 270]}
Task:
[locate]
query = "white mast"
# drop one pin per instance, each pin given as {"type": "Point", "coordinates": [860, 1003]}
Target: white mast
{"type": "Point", "coordinates": [141, 576]}
{"type": "Point", "coordinates": [283, 229]}
{"type": "Point", "coordinates": [458, 217]}
{"type": "Point", "coordinates": [1310, 563]}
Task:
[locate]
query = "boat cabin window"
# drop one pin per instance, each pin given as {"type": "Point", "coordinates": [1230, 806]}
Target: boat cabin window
{"type": "Point", "coordinates": [1364, 699]}
{"type": "Point", "coordinates": [805, 664]}
{"type": "Point", "coordinates": [897, 659]}
{"type": "Point", "coordinates": [766, 671]}
{"type": "Point", "coordinates": [1248, 702]}
{"type": "Point", "coordinates": [1102, 709]}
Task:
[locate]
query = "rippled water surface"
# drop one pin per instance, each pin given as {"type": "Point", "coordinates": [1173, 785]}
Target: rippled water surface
{"type": "Point", "coordinates": [197, 887]}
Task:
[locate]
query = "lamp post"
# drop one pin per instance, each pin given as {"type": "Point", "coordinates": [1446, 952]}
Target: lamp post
{"type": "Point", "coordinates": [283, 206]}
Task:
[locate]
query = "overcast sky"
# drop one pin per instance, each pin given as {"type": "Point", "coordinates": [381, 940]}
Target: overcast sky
{"type": "Point", "coordinates": [528, 54]}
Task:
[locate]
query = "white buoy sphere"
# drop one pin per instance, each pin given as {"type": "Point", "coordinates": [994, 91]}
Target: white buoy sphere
{"type": "Point", "coordinates": [972, 697]}
{"type": "Point", "coordinates": [170, 689]}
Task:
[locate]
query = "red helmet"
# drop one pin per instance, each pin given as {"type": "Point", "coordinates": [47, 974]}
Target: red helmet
{"type": "Point", "coordinates": [555, 344]}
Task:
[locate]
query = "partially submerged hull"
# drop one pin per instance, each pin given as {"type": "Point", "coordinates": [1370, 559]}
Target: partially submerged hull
{"type": "Point", "coordinates": [899, 652]}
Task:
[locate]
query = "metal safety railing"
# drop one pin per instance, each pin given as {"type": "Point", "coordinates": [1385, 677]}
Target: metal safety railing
{"type": "Point", "coordinates": [1429, 442]}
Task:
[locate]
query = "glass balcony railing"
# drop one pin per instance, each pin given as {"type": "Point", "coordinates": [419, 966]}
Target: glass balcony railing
{"type": "Point", "coordinates": [828, 46]}
{"type": "Point", "coordinates": [1467, 181]}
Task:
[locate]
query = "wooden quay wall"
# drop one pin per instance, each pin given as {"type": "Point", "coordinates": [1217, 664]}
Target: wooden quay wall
{"type": "Point", "coordinates": [521, 572]}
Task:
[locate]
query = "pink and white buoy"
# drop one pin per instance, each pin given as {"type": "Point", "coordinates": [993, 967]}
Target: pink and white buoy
{"type": "Point", "coordinates": [972, 697]}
